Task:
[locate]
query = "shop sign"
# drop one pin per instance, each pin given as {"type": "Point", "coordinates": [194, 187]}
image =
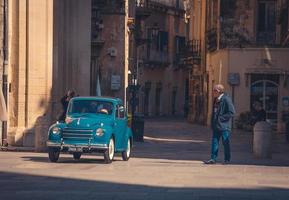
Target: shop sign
{"type": "Point", "coordinates": [234, 79]}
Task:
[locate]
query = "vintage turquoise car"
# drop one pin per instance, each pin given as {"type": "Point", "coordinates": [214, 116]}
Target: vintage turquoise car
{"type": "Point", "coordinates": [92, 124]}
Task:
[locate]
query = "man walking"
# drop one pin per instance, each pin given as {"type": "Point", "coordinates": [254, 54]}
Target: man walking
{"type": "Point", "coordinates": [64, 102]}
{"type": "Point", "coordinates": [223, 111]}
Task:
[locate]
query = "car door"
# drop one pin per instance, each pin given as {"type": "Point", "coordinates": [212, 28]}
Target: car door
{"type": "Point", "coordinates": [120, 127]}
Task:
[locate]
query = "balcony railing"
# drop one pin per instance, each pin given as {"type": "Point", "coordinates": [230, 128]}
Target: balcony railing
{"type": "Point", "coordinates": [157, 59]}
{"type": "Point", "coordinates": [190, 54]}
{"type": "Point", "coordinates": [193, 48]}
{"type": "Point", "coordinates": [145, 7]}
{"type": "Point", "coordinates": [141, 3]}
{"type": "Point", "coordinates": [142, 9]}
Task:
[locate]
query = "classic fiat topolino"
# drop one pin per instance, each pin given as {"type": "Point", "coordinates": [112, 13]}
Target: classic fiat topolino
{"type": "Point", "coordinates": [92, 124]}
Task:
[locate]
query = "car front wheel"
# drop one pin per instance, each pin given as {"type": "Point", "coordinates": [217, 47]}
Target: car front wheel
{"type": "Point", "coordinates": [126, 154]}
{"type": "Point", "coordinates": [109, 153]}
{"type": "Point", "coordinates": [53, 154]}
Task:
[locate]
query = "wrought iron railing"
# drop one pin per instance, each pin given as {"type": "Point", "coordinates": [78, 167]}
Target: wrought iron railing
{"type": "Point", "coordinates": [141, 3]}
{"type": "Point", "coordinates": [190, 54]}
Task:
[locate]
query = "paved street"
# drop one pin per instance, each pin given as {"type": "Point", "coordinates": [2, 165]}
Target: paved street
{"type": "Point", "coordinates": [168, 165]}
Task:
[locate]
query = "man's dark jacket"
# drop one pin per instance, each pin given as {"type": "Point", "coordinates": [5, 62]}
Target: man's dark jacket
{"type": "Point", "coordinates": [222, 119]}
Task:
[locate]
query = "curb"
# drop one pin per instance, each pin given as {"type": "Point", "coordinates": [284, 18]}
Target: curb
{"type": "Point", "coordinates": [18, 149]}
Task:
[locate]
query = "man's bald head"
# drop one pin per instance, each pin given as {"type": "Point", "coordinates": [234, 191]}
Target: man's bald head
{"type": "Point", "coordinates": [219, 88]}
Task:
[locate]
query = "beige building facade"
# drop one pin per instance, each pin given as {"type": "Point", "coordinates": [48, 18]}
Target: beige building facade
{"type": "Point", "coordinates": [247, 51]}
{"type": "Point", "coordinates": [161, 77]}
{"type": "Point", "coordinates": [55, 46]}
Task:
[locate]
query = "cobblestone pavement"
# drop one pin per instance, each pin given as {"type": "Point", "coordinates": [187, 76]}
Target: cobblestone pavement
{"type": "Point", "coordinates": [168, 165]}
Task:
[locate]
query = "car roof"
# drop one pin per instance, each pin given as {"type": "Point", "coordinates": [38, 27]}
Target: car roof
{"type": "Point", "coordinates": [102, 98]}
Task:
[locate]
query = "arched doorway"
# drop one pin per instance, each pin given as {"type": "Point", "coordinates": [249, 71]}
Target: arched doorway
{"type": "Point", "coordinates": [266, 92]}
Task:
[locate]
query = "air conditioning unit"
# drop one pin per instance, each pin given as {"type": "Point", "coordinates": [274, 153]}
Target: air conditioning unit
{"type": "Point", "coordinates": [112, 52]}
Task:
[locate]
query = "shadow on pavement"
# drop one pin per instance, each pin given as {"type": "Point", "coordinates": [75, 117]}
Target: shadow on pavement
{"type": "Point", "coordinates": [16, 186]}
{"type": "Point", "coordinates": [86, 158]}
{"type": "Point", "coordinates": [179, 140]}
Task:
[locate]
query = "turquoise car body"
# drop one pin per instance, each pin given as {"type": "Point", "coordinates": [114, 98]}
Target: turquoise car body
{"type": "Point", "coordinates": [79, 131]}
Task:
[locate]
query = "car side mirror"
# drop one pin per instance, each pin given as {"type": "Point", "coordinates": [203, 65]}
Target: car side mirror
{"type": "Point", "coordinates": [121, 108]}
{"type": "Point", "coordinates": [121, 112]}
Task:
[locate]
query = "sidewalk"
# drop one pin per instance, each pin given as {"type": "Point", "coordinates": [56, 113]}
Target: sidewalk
{"type": "Point", "coordinates": [16, 148]}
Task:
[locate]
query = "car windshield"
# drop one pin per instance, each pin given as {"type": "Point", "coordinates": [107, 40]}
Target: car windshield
{"type": "Point", "coordinates": [90, 106]}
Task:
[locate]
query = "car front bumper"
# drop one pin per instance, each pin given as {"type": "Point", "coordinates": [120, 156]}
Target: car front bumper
{"type": "Point", "coordinates": [88, 147]}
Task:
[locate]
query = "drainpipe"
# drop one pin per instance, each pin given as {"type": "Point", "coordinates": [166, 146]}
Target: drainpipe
{"type": "Point", "coordinates": [5, 68]}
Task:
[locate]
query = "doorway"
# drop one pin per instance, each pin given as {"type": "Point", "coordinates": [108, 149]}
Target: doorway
{"type": "Point", "coordinates": [266, 92]}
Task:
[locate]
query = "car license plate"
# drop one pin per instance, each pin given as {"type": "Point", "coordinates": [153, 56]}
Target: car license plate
{"type": "Point", "coordinates": [75, 149]}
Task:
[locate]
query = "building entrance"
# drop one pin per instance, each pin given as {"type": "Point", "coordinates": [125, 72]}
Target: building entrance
{"type": "Point", "coordinates": [265, 91]}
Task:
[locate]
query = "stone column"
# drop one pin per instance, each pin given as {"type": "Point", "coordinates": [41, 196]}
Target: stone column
{"type": "Point", "coordinates": [30, 70]}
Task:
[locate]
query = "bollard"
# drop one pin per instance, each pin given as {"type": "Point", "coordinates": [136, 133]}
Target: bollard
{"type": "Point", "coordinates": [287, 131]}
{"type": "Point", "coordinates": [262, 140]}
{"type": "Point", "coordinates": [138, 127]}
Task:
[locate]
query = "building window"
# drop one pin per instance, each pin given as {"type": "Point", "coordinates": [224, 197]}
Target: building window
{"type": "Point", "coordinates": [266, 24]}
{"type": "Point", "coordinates": [157, 48]}
{"type": "Point", "coordinates": [283, 20]}
{"type": "Point", "coordinates": [177, 4]}
{"type": "Point", "coordinates": [180, 43]}
{"type": "Point", "coordinates": [163, 41]}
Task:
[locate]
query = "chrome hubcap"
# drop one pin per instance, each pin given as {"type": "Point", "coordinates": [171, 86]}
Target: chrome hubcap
{"type": "Point", "coordinates": [111, 149]}
{"type": "Point", "coordinates": [128, 148]}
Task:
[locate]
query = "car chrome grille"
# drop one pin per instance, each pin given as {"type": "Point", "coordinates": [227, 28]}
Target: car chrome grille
{"type": "Point", "coordinates": [77, 134]}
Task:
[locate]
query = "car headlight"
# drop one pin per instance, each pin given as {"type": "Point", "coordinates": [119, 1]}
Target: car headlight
{"type": "Point", "coordinates": [68, 120]}
{"type": "Point", "coordinates": [99, 132]}
{"type": "Point", "coordinates": [56, 130]}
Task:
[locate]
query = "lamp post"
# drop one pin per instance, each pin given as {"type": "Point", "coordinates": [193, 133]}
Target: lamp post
{"type": "Point", "coordinates": [135, 86]}
{"type": "Point", "coordinates": [137, 120]}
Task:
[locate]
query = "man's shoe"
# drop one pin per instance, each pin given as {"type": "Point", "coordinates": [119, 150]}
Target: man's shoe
{"type": "Point", "coordinates": [226, 162]}
{"type": "Point", "coordinates": [210, 162]}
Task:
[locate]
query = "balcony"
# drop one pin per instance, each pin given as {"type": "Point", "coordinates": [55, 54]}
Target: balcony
{"type": "Point", "coordinates": [156, 59]}
{"type": "Point", "coordinates": [109, 6]}
{"type": "Point", "coordinates": [142, 9]}
{"type": "Point", "coordinates": [97, 4]}
{"type": "Point", "coordinates": [190, 55]}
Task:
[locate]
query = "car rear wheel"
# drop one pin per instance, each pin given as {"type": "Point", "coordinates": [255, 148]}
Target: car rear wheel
{"type": "Point", "coordinates": [76, 155]}
{"type": "Point", "coordinates": [53, 154]}
{"type": "Point", "coordinates": [126, 154]}
{"type": "Point", "coordinates": [109, 153]}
